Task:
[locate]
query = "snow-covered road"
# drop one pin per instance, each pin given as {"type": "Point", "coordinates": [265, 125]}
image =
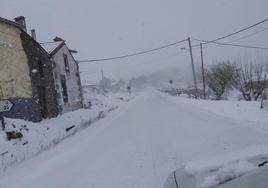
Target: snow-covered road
{"type": "Point", "coordinates": [136, 146]}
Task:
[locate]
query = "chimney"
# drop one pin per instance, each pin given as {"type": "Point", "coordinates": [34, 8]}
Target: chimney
{"type": "Point", "coordinates": [33, 34]}
{"type": "Point", "coordinates": [57, 39]}
{"type": "Point", "coordinates": [21, 20]}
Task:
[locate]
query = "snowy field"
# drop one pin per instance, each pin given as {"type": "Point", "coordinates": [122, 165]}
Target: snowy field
{"type": "Point", "coordinates": [144, 140]}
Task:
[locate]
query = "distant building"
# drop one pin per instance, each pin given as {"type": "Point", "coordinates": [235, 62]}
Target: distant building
{"type": "Point", "coordinates": [66, 75]}
{"type": "Point", "coordinates": [26, 73]}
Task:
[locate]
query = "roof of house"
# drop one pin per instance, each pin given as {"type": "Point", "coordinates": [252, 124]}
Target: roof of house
{"type": "Point", "coordinates": [19, 26]}
{"type": "Point", "coordinates": [52, 47]}
{"type": "Point", "coordinates": [49, 48]}
{"type": "Point", "coordinates": [6, 21]}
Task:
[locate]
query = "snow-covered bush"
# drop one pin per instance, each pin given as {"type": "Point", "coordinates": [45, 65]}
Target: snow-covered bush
{"type": "Point", "coordinates": [219, 78]}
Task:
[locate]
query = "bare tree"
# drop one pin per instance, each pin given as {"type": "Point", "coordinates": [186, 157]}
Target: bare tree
{"type": "Point", "coordinates": [250, 80]}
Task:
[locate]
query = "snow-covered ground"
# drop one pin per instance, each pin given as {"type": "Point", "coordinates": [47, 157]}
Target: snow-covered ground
{"type": "Point", "coordinates": [142, 142]}
{"type": "Point", "coordinates": [38, 137]}
{"type": "Point", "coordinates": [239, 110]}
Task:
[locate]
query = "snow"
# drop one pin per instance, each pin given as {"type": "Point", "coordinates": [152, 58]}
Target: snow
{"type": "Point", "coordinates": [227, 173]}
{"type": "Point", "coordinates": [239, 110]}
{"type": "Point", "coordinates": [224, 168]}
{"type": "Point", "coordinates": [38, 137]}
{"type": "Point", "coordinates": [34, 70]}
{"type": "Point", "coordinates": [252, 153]}
{"type": "Point", "coordinates": [142, 142]}
{"type": "Point", "coordinates": [51, 46]}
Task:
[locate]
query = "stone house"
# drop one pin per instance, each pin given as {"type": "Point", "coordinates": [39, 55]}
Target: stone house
{"type": "Point", "coordinates": [26, 73]}
{"type": "Point", "coordinates": [66, 75]}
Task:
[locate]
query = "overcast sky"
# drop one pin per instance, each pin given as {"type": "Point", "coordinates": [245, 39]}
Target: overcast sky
{"type": "Point", "coordinates": [104, 28]}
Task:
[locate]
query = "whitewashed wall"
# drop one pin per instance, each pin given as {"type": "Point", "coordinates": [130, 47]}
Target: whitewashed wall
{"type": "Point", "coordinates": [72, 80]}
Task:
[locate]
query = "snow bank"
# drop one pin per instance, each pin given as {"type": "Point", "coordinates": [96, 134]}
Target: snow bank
{"type": "Point", "coordinates": [254, 153]}
{"type": "Point", "coordinates": [215, 171]}
{"type": "Point", "coordinates": [238, 110]}
{"type": "Point", "coordinates": [248, 117]}
{"type": "Point", "coordinates": [228, 173]}
{"type": "Point", "coordinates": [38, 137]}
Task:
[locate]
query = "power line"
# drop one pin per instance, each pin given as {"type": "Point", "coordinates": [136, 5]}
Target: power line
{"type": "Point", "coordinates": [234, 33]}
{"type": "Point", "coordinates": [244, 37]}
{"type": "Point", "coordinates": [204, 42]}
{"type": "Point", "coordinates": [249, 35]}
{"type": "Point", "coordinates": [135, 54]}
{"type": "Point", "coordinates": [234, 45]}
{"type": "Point", "coordinates": [242, 46]}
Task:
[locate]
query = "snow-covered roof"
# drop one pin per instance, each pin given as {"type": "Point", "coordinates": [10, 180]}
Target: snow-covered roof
{"type": "Point", "coordinates": [51, 46]}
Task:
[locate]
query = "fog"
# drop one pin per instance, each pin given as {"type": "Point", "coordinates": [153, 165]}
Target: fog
{"type": "Point", "coordinates": [100, 29]}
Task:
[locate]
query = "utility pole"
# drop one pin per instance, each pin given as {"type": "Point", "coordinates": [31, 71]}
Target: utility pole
{"type": "Point", "coordinates": [193, 69]}
{"type": "Point", "coordinates": [203, 71]}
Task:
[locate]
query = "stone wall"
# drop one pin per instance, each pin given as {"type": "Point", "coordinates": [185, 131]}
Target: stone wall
{"type": "Point", "coordinates": [35, 54]}
{"type": "Point", "coordinates": [15, 81]}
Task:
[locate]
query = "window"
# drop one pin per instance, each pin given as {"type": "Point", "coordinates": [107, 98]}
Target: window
{"type": "Point", "coordinates": [66, 63]}
{"type": "Point", "coordinates": [40, 69]}
{"type": "Point", "coordinates": [64, 89]}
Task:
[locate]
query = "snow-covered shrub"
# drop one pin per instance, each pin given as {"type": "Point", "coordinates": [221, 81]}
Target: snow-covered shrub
{"type": "Point", "coordinates": [219, 78]}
